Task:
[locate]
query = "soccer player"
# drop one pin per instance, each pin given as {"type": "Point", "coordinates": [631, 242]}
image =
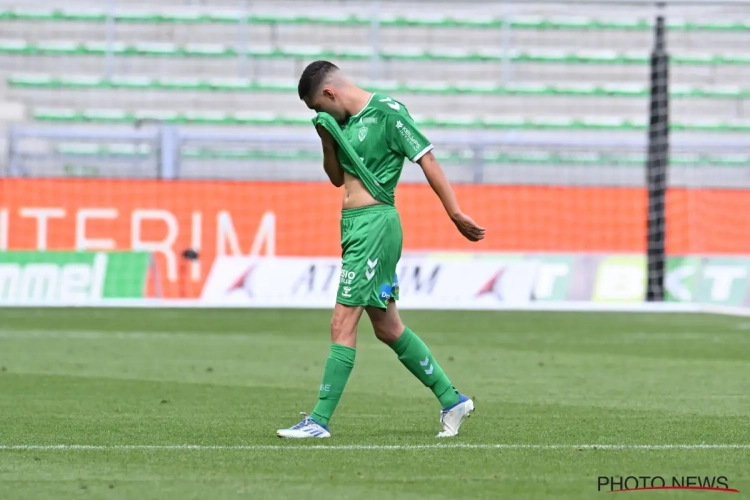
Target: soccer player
{"type": "Point", "coordinates": [380, 133]}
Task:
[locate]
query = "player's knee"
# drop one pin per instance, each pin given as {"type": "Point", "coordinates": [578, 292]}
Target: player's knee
{"type": "Point", "coordinates": [342, 330]}
{"type": "Point", "coordinates": [388, 332]}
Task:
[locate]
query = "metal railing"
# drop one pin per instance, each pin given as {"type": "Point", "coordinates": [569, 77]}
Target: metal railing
{"type": "Point", "coordinates": [163, 151]}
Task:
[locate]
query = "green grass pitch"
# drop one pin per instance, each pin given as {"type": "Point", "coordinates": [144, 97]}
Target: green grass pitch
{"type": "Point", "coordinates": [120, 392]}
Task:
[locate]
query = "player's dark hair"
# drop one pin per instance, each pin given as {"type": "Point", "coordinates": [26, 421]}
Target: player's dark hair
{"type": "Point", "coordinates": [313, 77]}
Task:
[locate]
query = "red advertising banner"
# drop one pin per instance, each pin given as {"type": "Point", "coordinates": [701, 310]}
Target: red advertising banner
{"type": "Point", "coordinates": [302, 219]}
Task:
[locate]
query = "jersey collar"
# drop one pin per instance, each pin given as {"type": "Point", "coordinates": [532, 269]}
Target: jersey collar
{"type": "Point", "coordinates": [361, 110]}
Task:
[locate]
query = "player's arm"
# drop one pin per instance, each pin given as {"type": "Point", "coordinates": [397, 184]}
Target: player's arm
{"type": "Point", "coordinates": [331, 163]}
{"type": "Point", "coordinates": [442, 188]}
{"type": "Point", "coordinates": [405, 138]}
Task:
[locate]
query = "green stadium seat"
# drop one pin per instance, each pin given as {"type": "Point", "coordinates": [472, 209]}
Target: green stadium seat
{"type": "Point", "coordinates": [350, 53]}
{"type": "Point", "coordinates": [223, 17]}
{"type": "Point", "coordinates": [309, 51]}
{"type": "Point", "coordinates": [180, 84]}
{"type": "Point", "coordinates": [188, 16]}
{"type": "Point", "coordinates": [79, 149]}
{"type": "Point", "coordinates": [136, 16]}
{"type": "Point", "coordinates": [530, 158]}
{"type": "Point", "coordinates": [422, 87]}
{"type": "Point", "coordinates": [429, 88]}
{"type": "Point", "coordinates": [131, 82]}
{"type": "Point", "coordinates": [625, 89]}
{"type": "Point", "coordinates": [106, 115]}
{"type": "Point", "coordinates": [738, 59]}
{"type": "Point", "coordinates": [14, 47]}
{"type": "Point", "coordinates": [38, 80]}
{"type": "Point", "coordinates": [82, 81]}
{"type": "Point", "coordinates": [611, 123]}
{"type": "Point", "coordinates": [57, 115]}
{"type": "Point", "coordinates": [102, 48]}
{"type": "Point", "coordinates": [449, 122]}
{"type": "Point", "coordinates": [154, 49]}
{"type": "Point", "coordinates": [504, 122]}
{"type": "Point", "coordinates": [30, 14]}
{"type": "Point", "coordinates": [229, 84]}
{"type": "Point", "coordinates": [157, 115]}
{"type": "Point", "coordinates": [80, 14]}
{"type": "Point", "coordinates": [170, 50]}
{"type": "Point", "coordinates": [266, 118]}
{"type": "Point", "coordinates": [207, 50]}
{"type": "Point", "coordinates": [207, 117]}
{"type": "Point", "coordinates": [185, 16]}
{"type": "Point", "coordinates": [58, 48]}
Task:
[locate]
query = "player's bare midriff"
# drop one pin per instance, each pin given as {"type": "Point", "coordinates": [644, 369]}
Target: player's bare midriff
{"type": "Point", "coordinates": [356, 194]}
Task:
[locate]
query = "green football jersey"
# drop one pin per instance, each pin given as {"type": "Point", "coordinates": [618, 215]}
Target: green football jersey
{"type": "Point", "coordinates": [383, 134]}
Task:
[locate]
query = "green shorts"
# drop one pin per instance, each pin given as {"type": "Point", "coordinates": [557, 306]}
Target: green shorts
{"type": "Point", "coordinates": [371, 242]}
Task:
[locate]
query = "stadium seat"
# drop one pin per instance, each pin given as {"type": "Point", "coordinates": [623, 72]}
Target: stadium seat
{"type": "Point", "coordinates": [187, 16]}
{"type": "Point", "coordinates": [194, 80]}
{"type": "Point", "coordinates": [535, 158]}
{"type": "Point", "coordinates": [454, 122]}
{"type": "Point", "coordinates": [171, 50]}
{"type": "Point", "coordinates": [468, 88]}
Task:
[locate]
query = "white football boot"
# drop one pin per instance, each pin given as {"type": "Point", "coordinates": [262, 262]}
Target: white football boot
{"type": "Point", "coordinates": [452, 417]}
{"type": "Point", "coordinates": [307, 428]}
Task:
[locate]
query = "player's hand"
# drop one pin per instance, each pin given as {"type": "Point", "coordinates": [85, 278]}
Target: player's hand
{"type": "Point", "coordinates": [325, 136]}
{"type": "Point", "coordinates": [466, 226]}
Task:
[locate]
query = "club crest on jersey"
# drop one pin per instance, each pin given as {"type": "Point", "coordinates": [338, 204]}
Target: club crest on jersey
{"type": "Point", "coordinates": [362, 134]}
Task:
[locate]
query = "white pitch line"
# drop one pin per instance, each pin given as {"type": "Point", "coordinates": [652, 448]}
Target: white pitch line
{"type": "Point", "coordinates": [252, 336]}
{"type": "Point", "coordinates": [129, 335]}
{"type": "Point", "coordinates": [362, 447]}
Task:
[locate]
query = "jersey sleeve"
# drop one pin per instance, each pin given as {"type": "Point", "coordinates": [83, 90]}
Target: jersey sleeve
{"type": "Point", "coordinates": [405, 138]}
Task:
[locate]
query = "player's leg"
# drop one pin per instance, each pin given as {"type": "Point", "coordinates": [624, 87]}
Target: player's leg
{"type": "Point", "coordinates": [340, 361]}
{"type": "Point", "coordinates": [351, 298]}
{"type": "Point", "coordinates": [385, 244]}
{"type": "Point", "coordinates": [412, 352]}
{"type": "Point", "coordinates": [417, 358]}
{"type": "Point", "coordinates": [336, 373]}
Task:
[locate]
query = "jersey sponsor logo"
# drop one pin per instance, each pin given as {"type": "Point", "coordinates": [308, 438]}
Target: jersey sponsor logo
{"type": "Point", "coordinates": [362, 134]}
{"type": "Point", "coordinates": [385, 292]}
{"type": "Point", "coordinates": [347, 277]}
{"type": "Point", "coordinates": [408, 137]}
{"type": "Point", "coordinates": [391, 103]}
{"type": "Point", "coordinates": [370, 120]}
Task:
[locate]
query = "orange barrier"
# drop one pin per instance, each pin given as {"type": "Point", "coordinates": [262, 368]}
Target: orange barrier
{"type": "Point", "coordinates": [299, 218]}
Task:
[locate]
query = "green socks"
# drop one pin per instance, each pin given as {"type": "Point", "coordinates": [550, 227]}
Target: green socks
{"type": "Point", "coordinates": [338, 368]}
{"type": "Point", "coordinates": [416, 357]}
{"type": "Point", "coordinates": [411, 351]}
